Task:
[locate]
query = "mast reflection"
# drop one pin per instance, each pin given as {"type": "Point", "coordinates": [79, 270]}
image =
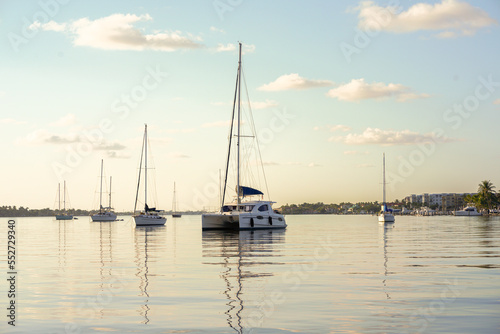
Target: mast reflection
{"type": "Point", "coordinates": [238, 252]}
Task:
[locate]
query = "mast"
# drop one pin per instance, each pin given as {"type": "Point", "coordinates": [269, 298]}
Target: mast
{"type": "Point", "coordinates": [145, 167]}
{"type": "Point", "coordinates": [174, 206]}
{"type": "Point", "coordinates": [100, 192]}
{"type": "Point", "coordinates": [64, 196]}
{"type": "Point", "coordinates": [59, 195]}
{"type": "Point", "coordinates": [384, 184]}
{"type": "Point", "coordinates": [239, 121]}
{"type": "Point", "coordinates": [110, 193]}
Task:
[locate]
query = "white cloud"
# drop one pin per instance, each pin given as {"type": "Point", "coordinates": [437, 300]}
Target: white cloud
{"type": "Point", "coordinates": [217, 124]}
{"type": "Point", "coordinates": [451, 17]}
{"type": "Point", "coordinates": [358, 89]}
{"type": "Point", "coordinates": [117, 32]}
{"type": "Point", "coordinates": [497, 101]}
{"type": "Point", "coordinates": [293, 82]}
{"type": "Point", "coordinates": [376, 136]}
{"type": "Point", "coordinates": [214, 29]}
{"type": "Point", "coordinates": [263, 104]}
{"type": "Point", "coordinates": [117, 155]}
{"type": "Point", "coordinates": [67, 120]}
{"type": "Point", "coordinates": [355, 153]}
{"type": "Point", "coordinates": [11, 121]}
{"type": "Point", "coordinates": [178, 155]}
{"type": "Point", "coordinates": [246, 48]}
{"type": "Point", "coordinates": [313, 165]}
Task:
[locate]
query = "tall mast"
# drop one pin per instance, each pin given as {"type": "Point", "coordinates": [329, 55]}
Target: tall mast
{"type": "Point", "coordinates": [64, 196]}
{"type": "Point", "coordinates": [174, 206]}
{"type": "Point", "coordinates": [109, 193]}
{"type": "Point", "coordinates": [384, 182]}
{"type": "Point", "coordinates": [239, 121]}
{"type": "Point", "coordinates": [100, 191]}
{"type": "Point", "coordinates": [145, 165]}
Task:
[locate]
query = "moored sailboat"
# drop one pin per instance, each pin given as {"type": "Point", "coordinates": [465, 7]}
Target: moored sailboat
{"type": "Point", "coordinates": [385, 215]}
{"type": "Point", "coordinates": [241, 214]}
{"type": "Point", "coordinates": [62, 215]}
{"type": "Point", "coordinates": [175, 214]}
{"type": "Point", "coordinates": [149, 216]}
{"type": "Point", "coordinates": [104, 214]}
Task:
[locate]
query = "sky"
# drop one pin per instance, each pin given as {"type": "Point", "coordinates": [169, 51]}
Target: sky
{"type": "Point", "coordinates": [332, 84]}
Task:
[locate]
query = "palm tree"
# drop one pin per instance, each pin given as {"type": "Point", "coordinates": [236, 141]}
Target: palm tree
{"type": "Point", "coordinates": [486, 195]}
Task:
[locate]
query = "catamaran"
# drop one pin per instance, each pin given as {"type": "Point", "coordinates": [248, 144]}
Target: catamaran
{"type": "Point", "coordinates": [242, 214]}
{"type": "Point", "coordinates": [104, 214]}
{"type": "Point", "coordinates": [385, 215]}
{"type": "Point", "coordinates": [149, 216]}
{"type": "Point", "coordinates": [62, 215]}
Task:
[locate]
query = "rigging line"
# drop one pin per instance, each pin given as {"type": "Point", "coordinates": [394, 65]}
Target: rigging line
{"type": "Point", "coordinates": [230, 140]}
{"type": "Point", "coordinates": [257, 141]}
{"type": "Point", "coordinates": [140, 168]}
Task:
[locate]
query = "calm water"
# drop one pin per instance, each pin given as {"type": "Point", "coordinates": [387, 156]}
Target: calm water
{"type": "Point", "coordinates": [324, 274]}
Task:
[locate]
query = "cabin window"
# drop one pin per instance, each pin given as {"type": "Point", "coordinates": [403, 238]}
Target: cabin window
{"type": "Point", "coordinates": [226, 208]}
{"type": "Point", "coordinates": [249, 208]}
{"type": "Point", "coordinates": [263, 208]}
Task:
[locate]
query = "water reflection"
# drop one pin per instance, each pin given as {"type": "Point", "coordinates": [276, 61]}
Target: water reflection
{"type": "Point", "coordinates": [386, 229]}
{"type": "Point", "coordinates": [240, 255]}
{"type": "Point", "coordinates": [145, 239]}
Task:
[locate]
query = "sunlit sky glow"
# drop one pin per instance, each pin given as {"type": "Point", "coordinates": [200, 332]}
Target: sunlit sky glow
{"type": "Point", "coordinates": [333, 85]}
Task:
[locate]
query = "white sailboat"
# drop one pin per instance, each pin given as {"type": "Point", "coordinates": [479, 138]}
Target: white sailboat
{"type": "Point", "coordinates": [62, 215]}
{"type": "Point", "coordinates": [150, 216]}
{"type": "Point", "coordinates": [385, 215]}
{"type": "Point", "coordinates": [240, 214]}
{"type": "Point", "coordinates": [104, 214]}
{"type": "Point", "coordinates": [175, 214]}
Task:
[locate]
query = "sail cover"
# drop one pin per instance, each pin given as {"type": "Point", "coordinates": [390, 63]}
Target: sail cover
{"type": "Point", "coordinates": [247, 191]}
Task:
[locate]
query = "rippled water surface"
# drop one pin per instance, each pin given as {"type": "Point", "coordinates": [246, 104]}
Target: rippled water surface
{"type": "Point", "coordinates": [323, 274]}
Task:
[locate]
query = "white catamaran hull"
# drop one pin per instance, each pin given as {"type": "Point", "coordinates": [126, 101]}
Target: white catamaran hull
{"type": "Point", "coordinates": [241, 221]}
{"type": "Point", "coordinates": [143, 220]}
{"type": "Point", "coordinates": [104, 217]}
{"type": "Point", "coordinates": [386, 218]}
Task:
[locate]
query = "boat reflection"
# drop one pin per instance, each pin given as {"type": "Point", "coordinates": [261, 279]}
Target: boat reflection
{"type": "Point", "coordinates": [240, 254]}
{"type": "Point", "coordinates": [386, 228]}
{"type": "Point", "coordinates": [145, 237]}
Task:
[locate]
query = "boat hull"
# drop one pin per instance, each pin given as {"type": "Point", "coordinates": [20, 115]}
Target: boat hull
{"type": "Point", "coordinates": [386, 218]}
{"type": "Point", "coordinates": [241, 221]}
{"type": "Point", "coordinates": [143, 220]}
{"type": "Point", "coordinates": [64, 217]}
{"type": "Point", "coordinates": [106, 217]}
{"type": "Point", "coordinates": [467, 213]}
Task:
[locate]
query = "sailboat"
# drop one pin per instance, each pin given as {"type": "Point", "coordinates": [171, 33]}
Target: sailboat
{"type": "Point", "coordinates": [150, 216]}
{"type": "Point", "coordinates": [385, 215]}
{"type": "Point", "coordinates": [175, 214]}
{"type": "Point", "coordinates": [104, 214]}
{"type": "Point", "coordinates": [62, 215]}
{"type": "Point", "coordinates": [240, 214]}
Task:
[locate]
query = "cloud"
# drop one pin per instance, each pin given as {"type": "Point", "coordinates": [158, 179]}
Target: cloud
{"type": "Point", "coordinates": [497, 101]}
{"type": "Point", "coordinates": [293, 82]}
{"type": "Point", "coordinates": [117, 155]}
{"type": "Point", "coordinates": [44, 137]}
{"type": "Point", "coordinates": [355, 153]}
{"type": "Point", "coordinates": [263, 104]}
{"type": "Point", "coordinates": [178, 155]}
{"type": "Point", "coordinates": [333, 128]}
{"type": "Point", "coordinates": [217, 124]}
{"type": "Point", "coordinates": [270, 163]}
{"type": "Point", "coordinates": [313, 165]}
{"type": "Point", "coordinates": [67, 120]}
{"type": "Point", "coordinates": [117, 32]}
{"type": "Point", "coordinates": [214, 29]}
{"type": "Point", "coordinates": [374, 136]}
{"type": "Point", "coordinates": [11, 121]}
{"type": "Point", "coordinates": [246, 48]}
{"type": "Point", "coordinates": [358, 89]}
{"type": "Point", "coordinates": [451, 17]}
